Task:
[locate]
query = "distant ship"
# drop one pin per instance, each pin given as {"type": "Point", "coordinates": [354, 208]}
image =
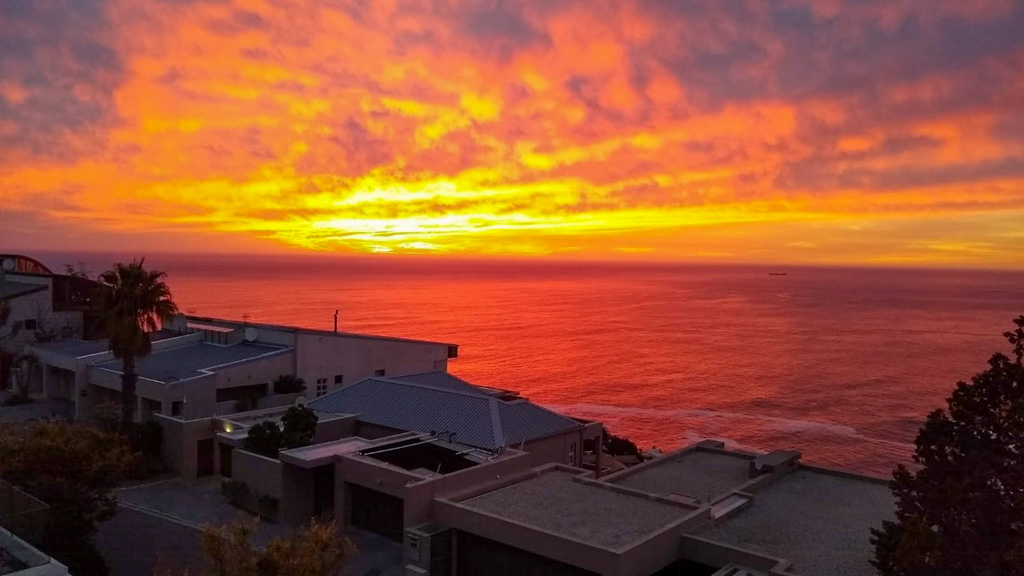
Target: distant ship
{"type": "Point", "coordinates": [776, 273]}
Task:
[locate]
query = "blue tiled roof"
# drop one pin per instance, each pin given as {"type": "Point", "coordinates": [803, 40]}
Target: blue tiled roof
{"type": "Point", "coordinates": [475, 416]}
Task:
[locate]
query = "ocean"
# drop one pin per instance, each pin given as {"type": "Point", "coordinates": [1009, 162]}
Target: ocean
{"type": "Point", "coordinates": [842, 364]}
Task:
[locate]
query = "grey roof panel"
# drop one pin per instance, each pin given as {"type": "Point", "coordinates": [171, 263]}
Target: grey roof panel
{"type": "Point", "coordinates": [522, 420]}
{"type": "Point", "coordinates": [189, 360]}
{"type": "Point", "coordinates": [419, 408]}
{"type": "Point", "coordinates": [477, 419]}
{"type": "Point", "coordinates": [444, 380]}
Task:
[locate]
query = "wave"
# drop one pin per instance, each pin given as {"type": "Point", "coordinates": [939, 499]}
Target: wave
{"type": "Point", "coordinates": [773, 423]}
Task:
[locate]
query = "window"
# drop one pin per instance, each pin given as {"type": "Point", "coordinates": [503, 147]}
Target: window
{"type": "Point", "coordinates": [176, 408]}
{"type": "Point", "coordinates": [31, 324]}
{"type": "Point", "coordinates": [378, 372]}
{"type": "Point", "coordinates": [572, 454]}
{"type": "Point", "coordinates": [321, 386]}
{"type": "Point", "coordinates": [339, 378]}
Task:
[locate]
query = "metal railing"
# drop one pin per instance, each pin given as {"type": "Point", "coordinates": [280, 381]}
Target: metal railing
{"type": "Point", "coordinates": [22, 513]}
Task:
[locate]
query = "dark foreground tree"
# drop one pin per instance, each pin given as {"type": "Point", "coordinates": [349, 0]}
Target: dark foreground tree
{"type": "Point", "coordinates": [962, 512]}
{"type": "Point", "coordinates": [134, 301]}
{"type": "Point", "coordinates": [72, 469]}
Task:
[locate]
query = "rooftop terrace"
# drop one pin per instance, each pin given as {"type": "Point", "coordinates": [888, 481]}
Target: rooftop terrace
{"type": "Point", "coordinates": [819, 521]}
{"type": "Point", "coordinates": [697, 474]}
{"type": "Point", "coordinates": [554, 502]}
{"type": "Point", "coordinates": [80, 348]}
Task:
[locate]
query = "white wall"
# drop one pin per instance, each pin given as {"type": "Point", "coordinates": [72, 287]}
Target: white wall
{"type": "Point", "coordinates": [38, 306]}
{"type": "Point", "coordinates": [326, 355]}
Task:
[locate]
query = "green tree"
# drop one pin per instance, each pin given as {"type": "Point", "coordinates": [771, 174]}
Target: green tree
{"type": "Point", "coordinates": [264, 438]}
{"type": "Point", "coordinates": [315, 551]}
{"type": "Point", "coordinates": [73, 470]}
{"type": "Point", "coordinates": [299, 427]}
{"type": "Point", "coordinates": [962, 512]}
{"type": "Point", "coordinates": [134, 300]}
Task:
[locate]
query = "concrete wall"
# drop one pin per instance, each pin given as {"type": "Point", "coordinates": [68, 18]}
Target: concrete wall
{"type": "Point", "coordinates": [180, 439]}
{"type": "Point", "coordinates": [263, 475]}
{"type": "Point", "coordinates": [37, 306]}
{"type": "Point", "coordinates": [555, 449]}
{"type": "Point", "coordinates": [335, 429]}
{"type": "Point", "coordinates": [450, 515]}
{"type": "Point", "coordinates": [296, 506]}
{"type": "Point", "coordinates": [419, 497]}
{"type": "Point", "coordinates": [325, 355]}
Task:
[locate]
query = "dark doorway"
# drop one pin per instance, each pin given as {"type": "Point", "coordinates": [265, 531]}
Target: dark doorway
{"type": "Point", "coordinates": [225, 460]}
{"type": "Point", "coordinates": [323, 492]}
{"type": "Point", "coordinates": [377, 512]}
{"type": "Point", "coordinates": [204, 458]}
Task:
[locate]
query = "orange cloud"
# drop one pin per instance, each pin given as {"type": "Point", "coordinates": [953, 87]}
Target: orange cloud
{"type": "Point", "coordinates": [736, 131]}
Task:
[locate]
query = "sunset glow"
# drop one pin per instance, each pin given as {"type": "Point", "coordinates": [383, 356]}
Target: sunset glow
{"type": "Point", "coordinates": [873, 132]}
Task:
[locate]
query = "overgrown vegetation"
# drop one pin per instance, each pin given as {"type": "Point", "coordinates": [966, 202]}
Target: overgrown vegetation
{"type": "Point", "coordinates": [265, 439]}
{"type": "Point", "coordinates": [319, 550]}
{"type": "Point", "coordinates": [962, 512]}
{"type": "Point", "coordinates": [73, 470]}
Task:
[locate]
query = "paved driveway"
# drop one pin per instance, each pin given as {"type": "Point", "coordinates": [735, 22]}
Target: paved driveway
{"type": "Point", "coordinates": [159, 524]}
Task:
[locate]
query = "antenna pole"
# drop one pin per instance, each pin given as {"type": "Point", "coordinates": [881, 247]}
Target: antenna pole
{"type": "Point", "coordinates": [335, 321]}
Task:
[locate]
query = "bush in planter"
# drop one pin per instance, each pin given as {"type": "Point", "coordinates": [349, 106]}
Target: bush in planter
{"type": "Point", "coordinates": [299, 427]}
{"type": "Point", "coordinates": [288, 384]}
{"type": "Point", "coordinates": [264, 439]}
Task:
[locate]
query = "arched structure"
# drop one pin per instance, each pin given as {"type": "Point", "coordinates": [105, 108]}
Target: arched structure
{"type": "Point", "coordinates": [23, 265]}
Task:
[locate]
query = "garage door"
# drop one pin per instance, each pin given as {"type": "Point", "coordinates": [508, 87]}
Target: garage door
{"type": "Point", "coordinates": [377, 512]}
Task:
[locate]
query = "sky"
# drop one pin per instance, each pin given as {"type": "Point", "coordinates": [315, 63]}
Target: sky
{"type": "Point", "coordinates": [880, 132]}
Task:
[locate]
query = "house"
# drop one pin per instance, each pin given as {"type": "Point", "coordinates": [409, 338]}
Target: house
{"type": "Point", "coordinates": [385, 448]}
{"type": "Point", "coordinates": [700, 510]}
{"type": "Point", "coordinates": [200, 367]}
{"type": "Point", "coordinates": [41, 306]}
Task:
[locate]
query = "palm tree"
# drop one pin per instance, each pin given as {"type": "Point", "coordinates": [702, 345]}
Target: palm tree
{"type": "Point", "coordinates": [134, 301]}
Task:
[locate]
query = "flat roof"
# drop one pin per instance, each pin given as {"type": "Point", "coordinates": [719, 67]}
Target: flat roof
{"type": "Point", "coordinates": [243, 324]}
{"type": "Point", "coordinates": [554, 502]}
{"type": "Point", "coordinates": [697, 474]}
{"type": "Point", "coordinates": [818, 521]}
{"type": "Point", "coordinates": [191, 360]}
{"type": "Point", "coordinates": [80, 348]}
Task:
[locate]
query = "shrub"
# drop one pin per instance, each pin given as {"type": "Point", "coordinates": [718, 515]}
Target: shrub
{"type": "Point", "coordinates": [234, 491]}
{"type": "Point", "coordinates": [299, 427]}
{"type": "Point", "coordinates": [288, 384]}
{"type": "Point", "coordinates": [265, 439]}
{"type": "Point", "coordinates": [268, 506]}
